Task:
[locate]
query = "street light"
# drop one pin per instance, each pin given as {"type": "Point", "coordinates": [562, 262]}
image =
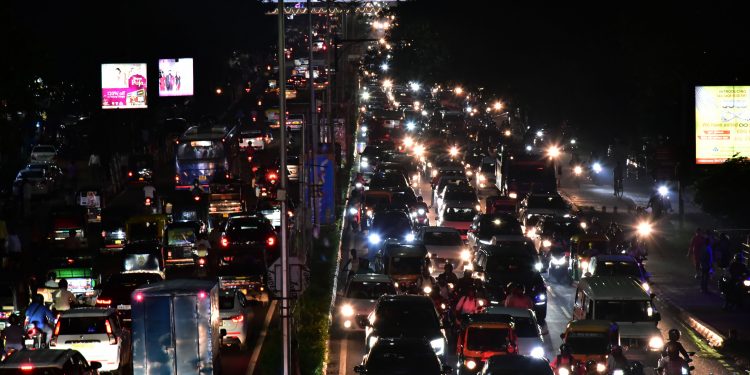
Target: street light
{"type": "Point", "coordinates": [453, 151]}
{"type": "Point", "coordinates": [507, 133]}
{"type": "Point", "coordinates": [384, 67]}
{"type": "Point", "coordinates": [387, 83]}
{"type": "Point", "coordinates": [553, 152]}
{"type": "Point", "coordinates": [415, 86]}
{"type": "Point", "coordinates": [458, 90]}
{"type": "Point", "coordinates": [365, 96]}
{"type": "Point", "coordinates": [498, 106]}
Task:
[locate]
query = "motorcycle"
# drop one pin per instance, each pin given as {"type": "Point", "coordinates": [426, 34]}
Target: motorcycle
{"type": "Point", "coordinates": [419, 217]}
{"type": "Point", "coordinates": [35, 338]}
{"type": "Point", "coordinates": [666, 366]}
{"type": "Point", "coordinates": [733, 289]}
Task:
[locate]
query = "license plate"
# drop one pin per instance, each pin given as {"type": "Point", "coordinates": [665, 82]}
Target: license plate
{"type": "Point", "coordinates": [202, 178]}
{"type": "Point", "coordinates": [28, 342]}
{"type": "Point", "coordinates": [140, 178]}
{"type": "Point", "coordinates": [85, 345]}
{"type": "Point", "coordinates": [118, 242]}
{"type": "Point", "coordinates": [123, 307]}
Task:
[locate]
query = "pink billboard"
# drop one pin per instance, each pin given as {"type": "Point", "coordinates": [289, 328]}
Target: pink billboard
{"type": "Point", "coordinates": [124, 86]}
{"type": "Point", "coordinates": [176, 77]}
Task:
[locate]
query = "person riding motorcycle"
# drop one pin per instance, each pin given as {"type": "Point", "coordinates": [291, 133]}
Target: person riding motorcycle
{"type": "Point", "coordinates": [420, 204]}
{"type": "Point", "coordinates": [673, 349]}
{"type": "Point", "coordinates": [465, 283]}
{"type": "Point", "coordinates": [516, 298]}
{"type": "Point", "coordinates": [38, 314]}
{"type": "Point", "coordinates": [13, 334]}
{"type": "Point", "coordinates": [737, 272]}
{"type": "Point", "coordinates": [616, 359]}
{"type": "Point", "coordinates": [468, 303]}
{"type": "Point", "coordinates": [448, 276]}
{"type": "Point", "coordinates": [564, 359]}
{"type": "Point", "coordinates": [425, 280]}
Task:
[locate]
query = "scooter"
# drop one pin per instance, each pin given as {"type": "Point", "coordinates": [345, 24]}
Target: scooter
{"type": "Point", "coordinates": [419, 217]}
{"type": "Point", "coordinates": [35, 338]}
{"type": "Point", "coordinates": [666, 366]}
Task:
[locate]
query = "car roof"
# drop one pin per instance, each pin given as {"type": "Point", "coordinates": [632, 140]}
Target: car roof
{"type": "Point", "coordinates": [81, 312]}
{"type": "Point", "coordinates": [613, 288]}
{"type": "Point", "coordinates": [511, 311]}
{"type": "Point", "coordinates": [402, 344]}
{"type": "Point", "coordinates": [614, 258]}
{"type": "Point", "coordinates": [508, 248]}
{"type": "Point", "coordinates": [371, 277]}
{"type": "Point", "coordinates": [38, 358]}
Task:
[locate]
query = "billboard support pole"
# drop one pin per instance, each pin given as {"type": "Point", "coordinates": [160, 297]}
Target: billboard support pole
{"type": "Point", "coordinates": [281, 196]}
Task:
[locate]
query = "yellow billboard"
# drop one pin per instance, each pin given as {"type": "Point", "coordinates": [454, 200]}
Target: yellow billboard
{"type": "Point", "coordinates": [722, 123]}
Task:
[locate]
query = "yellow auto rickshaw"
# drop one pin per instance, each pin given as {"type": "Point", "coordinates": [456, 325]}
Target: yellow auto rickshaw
{"type": "Point", "coordinates": [591, 340]}
{"type": "Point", "coordinates": [146, 228]}
{"type": "Point", "coordinates": [582, 248]}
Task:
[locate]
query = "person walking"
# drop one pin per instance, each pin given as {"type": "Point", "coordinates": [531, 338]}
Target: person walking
{"type": "Point", "coordinates": [352, 265]}
{"type": "Point", "coordinates": [694, 250]}
{"type": "Point", "coordinates": [706, 264]}
{"type": "Point", "coordinates": [95, 165]}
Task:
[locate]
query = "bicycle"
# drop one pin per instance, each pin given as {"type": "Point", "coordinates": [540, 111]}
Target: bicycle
{"type": "Point", "coordinates": [619, 191]}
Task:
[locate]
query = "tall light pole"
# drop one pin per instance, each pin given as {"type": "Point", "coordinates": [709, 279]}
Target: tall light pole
{"type": "Point", "coordinates": [281, 197]}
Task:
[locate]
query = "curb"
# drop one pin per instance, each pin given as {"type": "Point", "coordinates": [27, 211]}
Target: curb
{"type": "Point", "coordinates": [712, 335]}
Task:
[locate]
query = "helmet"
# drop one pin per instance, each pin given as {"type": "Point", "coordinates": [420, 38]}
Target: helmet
{"type": "Point", "coordinates": [38, 298]}
{"type": "Point", "coordinates": [516, 287]}
{"type": "Point", "coordinates": [674, 334]}
{"type": "Point", "coordinates": [564, 349]}
{"type": "Point", "coordinates": [420, 199]}
{"type": "Point", "coordinates": [448, 267]}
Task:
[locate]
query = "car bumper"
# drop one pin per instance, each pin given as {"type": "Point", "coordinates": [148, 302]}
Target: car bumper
{"type": "Point", "coordinates": [236, 332]}
{"type": "Point", "coordinates": [107, 355]}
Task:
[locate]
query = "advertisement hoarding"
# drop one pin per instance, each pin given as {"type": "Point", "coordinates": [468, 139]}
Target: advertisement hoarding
{"type": "Point", "coordinates": [722, 123]}
{"type": "Point", "coordinates": [176, 77]}
{"type": "Point", "coordinates": [124, 86]}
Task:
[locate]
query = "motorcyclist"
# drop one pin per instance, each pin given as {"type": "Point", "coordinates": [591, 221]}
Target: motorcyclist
{"type": "Point", "coordinates": [468, 303]}
{"type": "Point", "coordinates": [359, 179]}
{"type": "Point", "coordinates": [614, 232]}
{"type": "Point", "coordinates": [737, 273]}
{"type": "Point", "coordinates": [425, 280]}
{"type": "Point", "coordinates": [616, 359]}
{"type": "Point", "coordinates": [420, 204]}
{"type": "Point", "coordinates": [516, 298]}
{"type": "Point", "coordinates": [40, 315]}
{"type": "Point", "coordinates": [655, 202]}
{"type": "Point", "coordinates": [564, 359]}
{"type": "Point", "coordinates": [673, 349]}
{"type": "Point", "coordinates": [13, 334]}
{"type": "Point", "coordinates": [448, 276]}
{"type": "Point", "coordinates": [465, 283]}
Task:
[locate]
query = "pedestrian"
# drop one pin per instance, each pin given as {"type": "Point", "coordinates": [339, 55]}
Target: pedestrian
{"type": "Point", "coordinates": [706, 264]}
{"type": "Point", "coordinates": [95, 166]}
{"type": "Point", "coordinates": [694, 250]}
{"type": "Point", "coordinates": [352, 265]}
{"type": "Point", "coordinates": [723, 251]}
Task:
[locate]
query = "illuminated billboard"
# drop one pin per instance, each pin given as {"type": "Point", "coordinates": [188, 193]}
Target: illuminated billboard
{"type": "Point", "coordinates": [722, 116]}
{"type": "Point", "coordinates": [124, 86]}
{"type": "Point", "coordinates": [175, 77]}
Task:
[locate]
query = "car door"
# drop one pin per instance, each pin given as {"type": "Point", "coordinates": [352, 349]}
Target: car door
{"type": "Point", "coordinates": [123, 335]}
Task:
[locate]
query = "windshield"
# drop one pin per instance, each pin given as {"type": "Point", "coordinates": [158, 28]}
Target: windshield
{"type": "Point", "coordinates": [564, 229]}
{"type": "Point", "coordinates": [442, 238]}
{"type": "Point", "coordinates": [500, 226]}
{"type": "Point", "coordinates": [509, 263]}
{"type": "Point", "coordinates": [554, 202]}
{"type": "Point", "coordinates": [623, 311]}
{"type": "Point", "coordinates": [460, 196]}
{"type": "Point", "coordinates": [180, 236]}
{"type": "Point", "coordinates": [531, 173]}
{"type": "Point", "coordinates": [143, 231]}
{"type": "Point", "coordinates": [376, 201]}
{"type": "Point", "coordinates": [369, 290]}
{"type": "Point", "coordinates": [199, 150]}
{"type": "Point", "coordinates": [459, 214]}
{"type": "Point", "coordinates": [82, 325]}
{"type": "Point", "coordinates": [525, 327]}
{"type": "Point", "coordinates": [405, 266]}
{"type": "Point", "coordinates": [587, 342]}
{"type": "Point", "coordinates": [406, 320]}
{"type": "Point", "coordinates": [617, 269]}
{"type": "Point", "coordinates": [487, 339]}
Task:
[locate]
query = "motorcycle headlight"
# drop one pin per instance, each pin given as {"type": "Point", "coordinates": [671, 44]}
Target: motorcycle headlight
{"type": "Point", "coordinates": [369, 213]}
{"type": "Point", "coordinates": [541, 297]}
{"type": "Point", "coordinates": [600, 367]}
{"type": "Point", "coordinates": [465, 255]}
{"type": "Point", "coordinates": [512, 195]}
{"type": "Point", "coordinates": [410, 237]}
{"type": "Point", "coordinates": [353, 210]}
{"type": "Point", "coordinates": [537, 352]}
{"type": "Point", "coordinates": [347, 310]}
{"type": "Point", "coordinates": [538, 266]}
{"type": "Point", "coordinates": [358, 185]}
{"type": "Point", "coordinates": [434, 173]}
{"type": "Point", "coordinates": [684, 371]}
{"type": "Point", "coordinates": [546, 243]}
{"type": "Point", "coordinates": [585, 265]}
{"type": "Point", "coordinates": [478, 207]}
{"type": "Point", "coordinates": [442, 306]}
{"type": "Point", "coordinates": [617, 372]}
{"type": "Point", "coordinates": [427, 290]}
{"type": "Point", "coordinates": [374, 238]}
{"type": "Point", "coordinates": [470, 364]}
{"type": "Point", "coordinates": [531, 233]}
{"type": "Point", "coordinates": [421, 211]}
{"type": "Point", "coordinates": [746, 282]}
{"type": "Point", "coordinates": [655, 343]}
{"type": "Point", "coordinates": [438, 345]}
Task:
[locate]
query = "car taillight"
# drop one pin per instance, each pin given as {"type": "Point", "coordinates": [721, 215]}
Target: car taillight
{"type": "Point", "coordinates": [130, 174]}
{"type": "Point", "coordinates": [177, 178]}
{"type": "Point", "coordinates": [112, 337]}
{"type": "Point", "coordinates": [271, 241]}
{"type": "Point", "coordinates": [103, 302]}
{"type": "Point", "coordinates": [224, 241]}
{"type": "Point", "coordinates": [27, 367]}
{"type": "Point", "coordinates": [238, 318]}
{"type": "Point", "coordinates": [139, 297]}
{"type": "Point", "coordinates": [202, 261]}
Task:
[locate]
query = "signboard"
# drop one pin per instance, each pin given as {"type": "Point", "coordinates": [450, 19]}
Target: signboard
{"type": "Point", "coordinates": [299, 277]}
{"type": "Point", "coordinates": [124, 86]}
{"type": "Point", "coordinates": [176, 77]}
{"type": "Point", "coordinates": [722, 123]}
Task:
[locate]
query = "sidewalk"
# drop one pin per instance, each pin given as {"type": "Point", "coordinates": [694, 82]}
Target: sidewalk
{"type": "Point", "coordinates": [672, 271]}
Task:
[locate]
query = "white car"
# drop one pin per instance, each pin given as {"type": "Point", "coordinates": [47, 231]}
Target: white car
{"type": "Point", "coordinates": [97, 334]}
{"type": "Point", "coordinates": [444, 244]}
{"type": "Point", "coordinates": [43, 154]}
{"type": "Point", "coordinates": [236, 314]}
{"type": "Point", "coordinates": [528, 334]}
{"type": "Point", "coordinates": [459, 217]}
{"type": "Point", "coordinates": [359, 297]}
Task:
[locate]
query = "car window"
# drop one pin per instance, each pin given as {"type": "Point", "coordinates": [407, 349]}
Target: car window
{"type": "Point", "coordinates": [226, 301]}
{"type": "Point", "coordinates": [459, 214]}
{"type": "Point", "coordinates": [442, 238]}
{"type": "Point", "coordinates": [82, 325]}
{"type": "Point", "coordinates": [623, 311]}
{"type": "Point", "coordinates": [617, 269]}
{"type": "Point", "coordinates": [525, 327]}
{"type": "Point", "coordinates": [587, 342]}
{"type": "Point", "coordinates": [369, 290]}
{"type": "Point", "coordinates": [552, 202]}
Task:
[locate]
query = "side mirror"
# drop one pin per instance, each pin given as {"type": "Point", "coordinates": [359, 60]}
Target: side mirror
{"type": "Point", "coordinates": [363, 321]}
{"type": "Point", "coordinates": [359, 369]}
{"type": "Point", "coordinates": [223, 332]}
{"type": "Point", "coordinates": [95, 365]}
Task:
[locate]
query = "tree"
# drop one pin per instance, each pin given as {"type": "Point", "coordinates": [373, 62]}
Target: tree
{"type": "Point", "coordinates": [722, 190]}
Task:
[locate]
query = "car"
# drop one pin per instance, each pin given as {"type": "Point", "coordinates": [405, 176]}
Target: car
{"type": "Point", "coordinates": [387, 179]}
{"type": "Point", "coordinates": [48, 361]}
{"type": "Point", "coordinates": [538, 204]}
{"type": "Point", "coordinates": [516, 364]}
{"type": "Point", "coordinates": [485, 174]}
{"type": "Point", "coordinates": [37, 180]}
{"type": "Point", "coordinates": [236, 315]}
{"type": "Point", "coordinates": [116, 290]}
{"type": "Point", "coordinates": [453, 195]}
{"type": "Point", "coordinates": [506, 263]}
{"type": "Point", "coordinates": [358, 298]}
{"type": "Point", "coordinates": [528, 333]}
{"type": "Point", "coordinates": [444, 244]}
{"type": "Point", "coordinates": [388, 224]}
{"type": "Point", "coordinates": [459, 217]}
{"type": "Point", "coordinates": [97, 334]}
{"type": "Point", "coordinates": [405, 316]}
{"type": "Point", "coordinates": [439, 188]}
{"type": "Point", "coordinates": [249, 236]}
{"type": "Point", "coordinates": [618, 265]}
{"type": "Point", "coordinates": [401, 356]}
{"type": "Point", "coordinates": [589, 340]}
{"type": "Point", "coordinates": [370, 157]}
{"type": "Point", "coordinates": [498, 227]}
{"type": "Point", "coordinates": [481, 336]}
{"type": "Point", "coordinates": [43, 154]}
{"type": "Point", "coordinates": [562, 226]}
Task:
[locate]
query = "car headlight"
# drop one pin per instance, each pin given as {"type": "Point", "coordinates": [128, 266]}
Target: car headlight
{"type": "Point", "coordinates": [538, 266]}
{"type": "Point", "coordinates": [465, 255]}
{"type": "Point", "coordinates": [541, 297]}
{"type": "Point", "coordinates": [646, 287]}
{"type": "Point", "coordinates": [469, 173]}
{"type": "Point", "coordinates": [563, 371]}
{"type": "Point", "coordinates": [746, 283]}
{"type": "Point", "coordinates": [438, 345]}
{"type": "Point", "coordinates": [617, 372]}
{"type": "Point", "coordinates": [478, 207]}
{"type": "Point", "coordinates": [512, 195]}
{"type": "Point", "coordinates": [374, 238]}
{"type": "Point", "coordinates": [546, 243]}
{"type": "Point", "coordinates": [481, 177]}
{"type": "Point", "coordinates": [531, 233]}
{"type": "Point", "coordinates": [410, 237]}
{"type": "Point", "coordinates": [427, 290]}
{"type": "Point", "coordinates": [655, 343]}
{"type": "Point", "coordinates": [558, 261]}
{"type": "Point", "coordinates": [372, 341]}
{"type": "Point", "coordinates": [347, 310]}
{"type": "Point", "coordinates": [434, 173]}
{"type": "Point", "coordinates": [585, 265]}
{"type": "Point", "coordinates": [369, 213]}
{"type": "Point", "coordinates": [470, 364]}
{"type": "Point", "coordinates": [363, 128]}
{"type": "Point", "coordinates": [442, 306]}
{"type": "Point", "coordinates": [537, 352]}
{"type": "Point", "coordinates": [353, 210]}
{"type": "Point", "coordinates": [600, 367]}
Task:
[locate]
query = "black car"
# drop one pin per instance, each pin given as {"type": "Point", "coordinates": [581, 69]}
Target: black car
{"type": "Point", "coordinates": [503, 226]}
{"type": "Point", "coordinates": [516, 364]}
{"type": "Point", "coordinates": [394, 224]}
{"type": "Point", "coordinates": [395, 356]}
{"type": "Point", "coordinates": [247, 236]}
{"type": "Point", "coordinates": [404, 316]}
{"type": "Point", "coordinates": [115, 292]}
{"type": "Point", "coordinates": [388, 180]}
{"type": "Point", "coordinates": [512, 263]}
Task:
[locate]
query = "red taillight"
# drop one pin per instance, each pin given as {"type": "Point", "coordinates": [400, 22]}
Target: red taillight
{"type": "Point", "coordinates": [112, 337]}
{"type": "Point", "coordinates": [224, 241]}
{"type": "Point", "coordinates": [108, 326]}
{"type": "Point", "coordinates": [177, 178]}
{"type": "Point", "coordinates": [139, 297]}
{"type": "Point", "coordinates": [197, 197]}
{"type": "Point", "coordinates": [27, 367]}
{"type": "Point", "coordinates": [271, 241]}
{"type": "Point", "coordinates": [238, 318]}
{"type": "Point", "coordinates": [57, 328]}
{"type": "Point", "coordinates": [201, 294]}
{"type": "Point", "coordinates": [130, 174]}
{"type": "Point", "coordinates": [71, 260]}
{"type": "Point", "coordinates": [202, 261]}
{"type": "Point", "coordinates": [103, 301]}
{"type": "Point", "coordinates": [148, 201]}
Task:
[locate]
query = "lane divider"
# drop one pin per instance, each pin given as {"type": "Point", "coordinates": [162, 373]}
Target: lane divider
{"type": "Point", "coordinates": [261, 338]}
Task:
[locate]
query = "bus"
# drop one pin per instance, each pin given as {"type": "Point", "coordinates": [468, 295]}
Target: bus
{"type": "Point", "coordinates": [202, 153]}
{"type": "Point", "coordinates": [517, 174]}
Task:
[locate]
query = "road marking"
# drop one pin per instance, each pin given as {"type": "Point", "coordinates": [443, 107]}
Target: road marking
{"type": "Point", "coordinates": [343, 349]}
{"type": "Point", "coordinates": [261, 338]}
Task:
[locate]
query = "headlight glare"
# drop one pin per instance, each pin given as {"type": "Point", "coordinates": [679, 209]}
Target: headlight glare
{"type": "Point", "coordinates": [347, 310]}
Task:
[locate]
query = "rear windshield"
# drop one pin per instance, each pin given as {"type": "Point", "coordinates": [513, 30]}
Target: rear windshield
{"type": "Point", "coordinates": [617, 269]}
{"type": "Point", "coordinates": [83, 325]}
{"type": "Point", "coordinates": [525, 327]}
{"type": "Point", "coordinates": [442, 238]}
{"type": "Point", "coordinates": [587, 342]}
{"type": "Point", "coordinates": [180, 236]}
{"type": "Point", "coordinates": [226, 302]}
{"type": "Point", "coordinates": [459, 214]}
{"type": "Point", "coordinates": [487, 339]}
{"type": "Point", "coordinates": [465, 196]}
{"type": "Point", "coordinates": [369, 290]}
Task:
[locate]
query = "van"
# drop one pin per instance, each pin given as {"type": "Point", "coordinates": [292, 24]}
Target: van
{"type": "Point", "coordinates": [621, 300]}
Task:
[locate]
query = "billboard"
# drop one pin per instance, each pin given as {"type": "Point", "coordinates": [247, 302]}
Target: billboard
{"type": "Point", "coordinates": [176, 77]}
{"type": "Point", "coordinates": [722, 123]}
{"type": "Point", "coordinates": [124, 86]}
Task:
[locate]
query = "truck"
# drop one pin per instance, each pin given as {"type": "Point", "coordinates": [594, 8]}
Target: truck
{"type": "Point", "coordinates": [176, 328]}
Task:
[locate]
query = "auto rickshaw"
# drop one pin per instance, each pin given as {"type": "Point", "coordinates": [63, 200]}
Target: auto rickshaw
{"type": "Point", "coordinates": [582, 248]}
{"type": "Point", "coordinates": [143, 256]}
{"type": "Point", "coordinates": [66, 221]}
{"type": "Point", "coordinates": [483, 336]}
{"type": "Point", "coordinates": [591, 340]}
{"type": "Point", "coordinates": [81, 280]}
{"type": "Point", "coordinates": [145, 228]}
{"type": "Point", "coordinates": [403, 262]}
{"type": "Point", "coordinates": [500, 204]}
{"type": "Point", "coordinates": [180, 238]}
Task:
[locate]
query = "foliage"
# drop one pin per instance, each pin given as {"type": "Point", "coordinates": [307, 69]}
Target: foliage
{"type": "Point", "coordinates": [722, 189]}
